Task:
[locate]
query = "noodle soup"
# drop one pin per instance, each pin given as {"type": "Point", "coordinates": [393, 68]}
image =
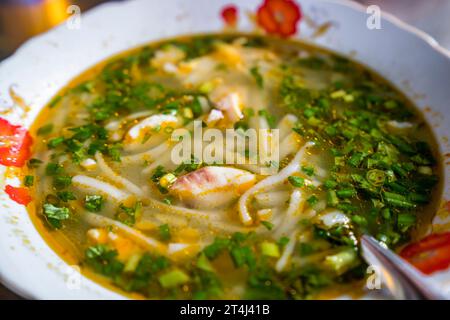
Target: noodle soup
{"type": "Point", "coordinates": [353, 157]}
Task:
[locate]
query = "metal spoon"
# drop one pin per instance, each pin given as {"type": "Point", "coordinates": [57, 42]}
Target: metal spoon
{"type": "Point", "coordinates": [401, 279]}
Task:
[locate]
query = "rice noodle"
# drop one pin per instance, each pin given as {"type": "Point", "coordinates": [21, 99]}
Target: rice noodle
{"type": "Point", "coordinates": [153, 141]}
{"type": "Point", "coordinates": [204, 219]}
{"type": "Point", "coordinates": [272, 199]}
{"type": "Point", "coordinates": [289, 145]}
{"type": "Point", "coordinates": [149, 155]}
{"type": "Point", "coordinates": [113, 176]}
{"type": "Point", "coordinates": [97, 220]}
{"type": "Point", "coordinates": [287, 252]}
{"type": "Point", "coordinates": [286, 124]}
{"type": "Point", "coordinates": [270, 182]}
{"type": "Point", "coordinates": [99, 186]}
{"type": "Point", "coordinates": [165, 160]}
{"type": "Point", "coordinates": [291, 218]}
{"type": "Point", "coordinates": [242, 162]}
{"type": "Point", "coordinates": [115, 124]}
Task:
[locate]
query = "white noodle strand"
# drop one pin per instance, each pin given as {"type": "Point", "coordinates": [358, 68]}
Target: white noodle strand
{"type": "Point", "coordinates": [270, 182]}
{"type": "Point", "coordinates": [113, 176]}
{"type": "Point", "coordinates": [99, 186]}
{"type": "Point", "coordinates": [97, 220]}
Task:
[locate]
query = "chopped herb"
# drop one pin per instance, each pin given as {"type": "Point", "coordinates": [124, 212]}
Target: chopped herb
{"type": "Point", "coordinates": [104, 260]}
{"type": "Point", "coordinates": [34, 163]}
{"type": "Point", "coordinates": [406, 220]}
{"type": "Point", "coordinates": [173, 278]}
{"type": "Point", "coordinates": [46, 129]}
{"type": "Point", "coordinates": [346, 193]}
{"type": "Point", "coordinates": [53, 143]}
{"type": "Point", "coordinates": [55, 101]}
{"type": "Point", "coordinates": [397, 200]}
{"type": "Point", "coordinates": [28, 181]}
{"type": "Point", "coordinates": [254, 71]}
{"type": "Point", "coordinates": [93, 203]}
{"type": "Point", "coordinates": [312, 200]}
{"type": "Point", "coordinates": [65, 196]}
{"type": "Point", "coordinates": [61, 182]}
{"type": "Point", "coordinates": [283, 241]}
{"type": "Point", "coordinates": [164, 232]}
{"type": "Point", "coordinates": [309, 171]}
{"type": "Point", "coordinates": [128, 215]}
{"type": "Point", "coordinates": [56, 215]}
{"type": "Point", "coordinates": [270, 249]}
{"type": "Point", "coordinates": [297, 182]}
{"type": "Point", "coordinates": [332, 199]}
{"type": "Point", "coordinates": [269, 226]}
{"type": "Point", "coordinates": [271, 120]}
{"type": "Point", "coordinates": [114, 152]}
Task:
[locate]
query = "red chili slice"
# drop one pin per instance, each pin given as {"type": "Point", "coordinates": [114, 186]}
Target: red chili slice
{"type": "Point", "coordinates": [230, 15]}
{"type": "Point", "coordinates": [430, 254]}
{"type": "Point", "coordinates": [15, 144]}
{"type": "Point", "coordinates": [279, 17]}
{"type": "Point", "coordinates": [19, 195]}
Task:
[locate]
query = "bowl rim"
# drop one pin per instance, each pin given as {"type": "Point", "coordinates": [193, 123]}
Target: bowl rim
{"type": "Point", "coordinates": [14, 283]}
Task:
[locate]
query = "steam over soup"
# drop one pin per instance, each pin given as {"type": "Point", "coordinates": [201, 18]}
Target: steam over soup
{"type": "Point", "coordinates": [347, 155]}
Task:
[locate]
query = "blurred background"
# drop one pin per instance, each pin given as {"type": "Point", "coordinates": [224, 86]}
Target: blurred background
{"type": "Point", "coordinates": [22, 19]}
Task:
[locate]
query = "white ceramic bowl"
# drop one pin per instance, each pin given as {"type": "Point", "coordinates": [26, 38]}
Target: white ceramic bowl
{"type": "Point", "coordinates": [410, 59]}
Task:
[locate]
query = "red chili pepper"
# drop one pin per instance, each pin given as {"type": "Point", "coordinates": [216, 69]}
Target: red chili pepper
{"type": "Point", "coordinates": [279, 17]}
{"type": "Point", "coordinates": [15, 144]}
{"type": "Point", "coordinates": [430, 254]}
{"type": "Point", "coordinates": [230, 15]}
{"type": "Point", "coordinates": [19, 195]}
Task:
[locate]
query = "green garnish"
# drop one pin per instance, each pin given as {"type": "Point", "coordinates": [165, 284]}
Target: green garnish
{"type": "Point", "coordinates": [28, 181]}
{"type": "Point", "coordinates": [269, 226]}
{"type": "Point", "coordinates": [297, 182]}
{"type": "Point", "coordinates": [254, 71]}
{"type": "Point", "coordinates": [56, 215]}
{"type": "Point", "coordinates": [128, 215]}
{"type": "Point", "coordinates": [164, 232]}
{"type": "Point", "coordinates": [44, 130]}
{"type": "Point", "coordinates": [93, 203]}
{"type": "Point", "coordinates": [308, 170]}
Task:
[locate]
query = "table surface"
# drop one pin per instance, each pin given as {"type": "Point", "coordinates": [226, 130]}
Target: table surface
{"type": "Point", "coordinates": [430, 16]}
{"type": "Point", "coordinates": [6, 294]}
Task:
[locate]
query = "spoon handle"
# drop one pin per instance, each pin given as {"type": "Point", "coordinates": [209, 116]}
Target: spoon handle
{"type": "Point", "coordinates": [402, 279]}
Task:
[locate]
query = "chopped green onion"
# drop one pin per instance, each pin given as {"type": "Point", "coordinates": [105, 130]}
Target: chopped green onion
{"type": "Point", "coordinates": [346, 193]}
{"type": "Point", "coordinates": [332, 199]}
{"type": "Point", "coordinates": [204, 264]}
{"type": "Point", "coordinates": [46, 129]}
{"type": "Point", "coordinates": [267, 224]}
{"type": "Point", "coordinates": [55, 215]}
{"type": "Point", "coordinates": [53, 143]}
{"type": "Point", "coordinates": [254, 71]}
{"type": "Point", "coordinates": [312, 200]}
{"type": "Point", "coordinates": [93, 203]}
{"type": "Point", "coordinates": [376, 177]}
{"type": "Point", "coordinates": [342, 261]}
{"type": "Point", "coordinates": [132, 263]}
{"type": "Point", "coordinates": [270, 249]}
{"type": "Point", "coordinates": [173, 279]}
{"type": "Point", "coordinates": [164, 232]}
{"type": "Point", "coordinates": [28, 181]}
{"type": "Point", "coordinates": [308, 170]}
{"type": "Point", "coordinates": [397, 200]}
{"type": "Point", "coordinates": [297, 182]}
{"type": "Point", "coordinates": [406, 220]}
